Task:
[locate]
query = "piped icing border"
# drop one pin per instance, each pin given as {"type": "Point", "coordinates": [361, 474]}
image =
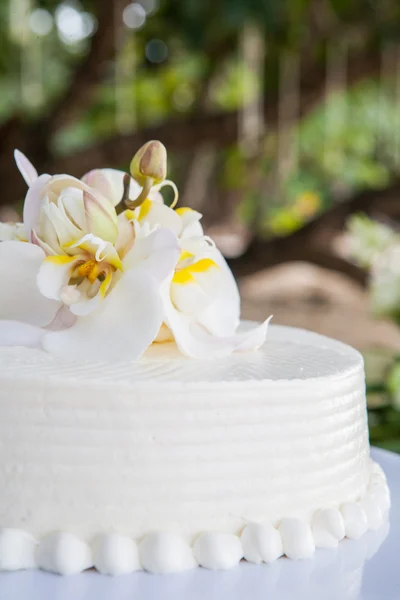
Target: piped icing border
{"type": "Point", "coordinates": [165, 552]}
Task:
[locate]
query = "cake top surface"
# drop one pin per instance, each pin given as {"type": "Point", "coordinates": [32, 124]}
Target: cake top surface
{"type": "Point", "coordinates": [289, 355]}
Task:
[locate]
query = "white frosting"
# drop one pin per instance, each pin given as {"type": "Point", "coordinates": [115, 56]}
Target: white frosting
{"type": "Point", "coordinates": [328, 527]}
{"type": "Point", "coordinates": [17, 550]}
{"type": "Point", "coordinates": [183, 447]}
{"type": "Point", "coordinates": [166, 553]}
{"type": "Point", "coordinates": [218, 550]}
{"type": "Point", "coordinates": [355, 520]}
{"type": "Point", "coordinates": [115, 554]}
{"type": "Point", "coordinates": [297, 538]}
{"type": "Point", "coordinates": [63, 553]}
{"type": "Point", "coordinates": [261, 543]}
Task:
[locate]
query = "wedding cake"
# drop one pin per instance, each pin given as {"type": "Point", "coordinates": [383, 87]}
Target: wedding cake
{"type": "Point", "coordinates": [142, 425]}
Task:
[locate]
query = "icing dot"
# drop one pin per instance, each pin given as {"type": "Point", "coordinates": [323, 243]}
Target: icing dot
{"type": "Point", "coordinates": [17, 550]}
{"type": "Point", "coordinates": [261, 543]}
{"type": "Point", "coordinates": [355, 520]}
{"type": "Point", "coordinates": [328, 528]}
{"type": "Point", "coordinates": [218, 550]}
{"type": "Point", "coordinates": [166, 553]}
{"type": "Point", "coordinates": [372, 512]}
{"type": "Point", "coordinates": [297, 538]}
{"type": "Point", "coordinates": [115, 554]}
{"type": "Point", "coordinates": [63, 553]}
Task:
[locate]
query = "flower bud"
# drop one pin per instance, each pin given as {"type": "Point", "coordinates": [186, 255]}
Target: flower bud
{"type": "Point", "coordinates": [150, 162]}
{"type": "Point", "coordinates": [101, 218]}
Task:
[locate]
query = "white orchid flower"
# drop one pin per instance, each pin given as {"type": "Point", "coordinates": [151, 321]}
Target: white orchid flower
{"type": "Point", "coordinates": [79, 261]}
{"type": "Point", "coordinates": [201, 302]}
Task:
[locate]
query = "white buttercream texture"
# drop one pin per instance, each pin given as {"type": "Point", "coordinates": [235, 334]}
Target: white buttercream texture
{"type": "Point", "coordinates": [261, 543]}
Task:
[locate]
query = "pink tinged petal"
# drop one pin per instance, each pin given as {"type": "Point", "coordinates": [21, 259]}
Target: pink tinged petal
{"type": "Point", "coordinates": [33, 201]}
{"type": "Point", "coordinates": [97, 179]}
{"type": "Point", "coordinates": [63, 320]}
{"type": "Point", "coordinates": [110, 182]}
{"type": "Point", "coordinates": [54, 274]}
{"type": "Point", "coordinates": [121, 328]}
{"type": "Point", "coordinates": [45, 247]}
{"type": "Point", "coordinates": [25, 167]}
{"type": "Point", "coordinates": [20, 298]}
{"type": "Point", "coordinates": [158, 253]}
{"type": "Point", "coordinates": [222, 316]}
{"type": "Point", "coordinates": [101, 218]}
{"type": "Point", "coordinates": [15, 333]}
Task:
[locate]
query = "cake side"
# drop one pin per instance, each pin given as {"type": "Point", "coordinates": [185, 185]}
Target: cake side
{"type": "Point", "coordinates": [105, 455]}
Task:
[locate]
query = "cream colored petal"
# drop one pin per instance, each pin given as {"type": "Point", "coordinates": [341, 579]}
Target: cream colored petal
{"type": "Point", "coordinates": [122, 327]}
{"type": "Point", "coordinates": [20, 298]}
{"type": "Point", "coordinates": [126, 235]}
{"type": "Point", "coordinates": [72, 200]}
{"type": "Point", "coordinates": [101, 218]}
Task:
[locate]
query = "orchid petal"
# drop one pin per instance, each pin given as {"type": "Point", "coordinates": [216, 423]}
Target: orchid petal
{"type": "Point", "coordinates": [66, 231]}
{"type": "Point", "coordinates": [121, 328]}
{"type": "Point", "coordinates": [191, 226]}
{"type": "Point", "coordinates": [55, 273]}
{"type": "Point", "coordinates": [195, 341]}
{"type": "Point", "coordinates": [126, 235]}
{"type": "Point", "coordinates": [158, 253]}
{"type": "Point", "coordinates": [72, 200]}
{"type": "Point", "coordinates": [13, 231]}
{"type": "Point", "coordinates": [89, 302]}
{"type": "Point", "coordinates": [222, 316]}
{"type": "Point", "coordinates": [101, 217]}
{"type": "Point", "coordinates": [20, 298]}
{"type": "Point", "coordinates": [25, 167]}
{"type": "Point", "coordinates": [110, 182]}
{"type": "Point", "coordinates": [33, 200]}
{"type": "Point", "coordinates": [45, 247]}
{"type": "Point", "coordinates": [15, 333]}
{"type": "Point", "coordinates": [98, 248]}
{"type": "Point", "coordinates": [157, 215]}
{"type": "Point", "coordinates": [194, 287]}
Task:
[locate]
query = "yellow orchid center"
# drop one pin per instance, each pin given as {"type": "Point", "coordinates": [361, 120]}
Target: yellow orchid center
{"type": "Point", "coordinates": [187, 274]}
